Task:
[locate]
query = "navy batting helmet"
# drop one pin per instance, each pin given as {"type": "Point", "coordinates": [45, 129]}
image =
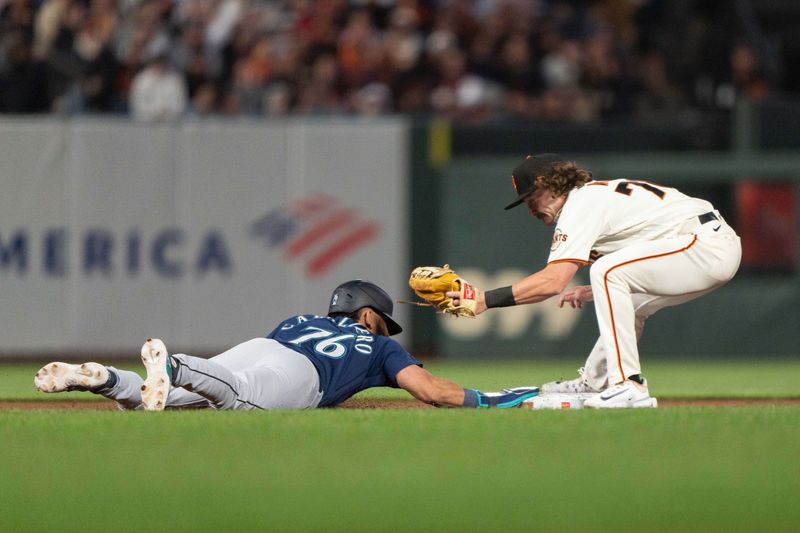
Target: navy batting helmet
{"type": "Point", "coordinates": [352, 295]}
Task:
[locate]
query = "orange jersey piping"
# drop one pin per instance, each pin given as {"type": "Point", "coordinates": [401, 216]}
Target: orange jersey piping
{"type": "Point", "coordinates": [579, 261]}
{"type": "Point", "coordinates": [608, 296]}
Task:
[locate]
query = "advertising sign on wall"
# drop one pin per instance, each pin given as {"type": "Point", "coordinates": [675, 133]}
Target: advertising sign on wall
{"type": "Point", "coordinates": [204, 234]}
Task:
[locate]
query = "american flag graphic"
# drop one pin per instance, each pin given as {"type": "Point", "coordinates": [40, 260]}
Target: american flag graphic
{"type": "Point", "coordinates": [318, 230]}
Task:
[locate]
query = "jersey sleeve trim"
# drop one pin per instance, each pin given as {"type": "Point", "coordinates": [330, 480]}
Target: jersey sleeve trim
{"type": "Point", "coordinates": [570, 260]}
{"type": "Point", "coordinates": [397, 368]}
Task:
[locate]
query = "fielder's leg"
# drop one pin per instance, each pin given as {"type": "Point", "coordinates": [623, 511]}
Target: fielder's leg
{"type": "Point", "coordinates": [668, 268]}
{"type": "Point", "coordinates": [594, 374]}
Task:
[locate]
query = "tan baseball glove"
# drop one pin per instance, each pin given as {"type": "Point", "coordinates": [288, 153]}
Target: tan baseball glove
{"type": "Point", "coordinates": [431, 283]}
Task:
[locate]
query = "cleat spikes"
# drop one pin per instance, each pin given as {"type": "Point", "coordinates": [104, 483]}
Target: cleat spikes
{"type": "Point", "coordinates": [64, 377]}
{"type": "Point", "coordinates": [156, 387]}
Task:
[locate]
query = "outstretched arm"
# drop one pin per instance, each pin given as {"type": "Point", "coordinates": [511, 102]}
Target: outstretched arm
{"type": "Point", "coordinates": [437, 391]}
{"type": "Point", "coordinates": [428, 388]}
{"type": "Point", "coordinates": [548, 282]}
{"type": "Point", "coordinates": [537, 287]}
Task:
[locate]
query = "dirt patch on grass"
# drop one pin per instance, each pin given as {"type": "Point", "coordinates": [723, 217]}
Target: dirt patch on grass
{"type": "Point", "coordinates": [384, 404]}
{"type": "Point", "coordinates": [108, 405]}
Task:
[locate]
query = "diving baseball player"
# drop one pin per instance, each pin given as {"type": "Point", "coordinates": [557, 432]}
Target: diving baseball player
{"type": "Point", "coordinates": [306, 361]}
{"type": "Point", "coordinates": [649, 247]}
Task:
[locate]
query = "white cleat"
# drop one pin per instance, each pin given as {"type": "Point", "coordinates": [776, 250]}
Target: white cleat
{"type": "Point", "coordinates": [626, 394]}
{"type": "Point", "coordinates": [155, 389]}
{"type": "Point", "coordinates": [64, 377]}
{"type": "Point", "coordinates": [570, 386]}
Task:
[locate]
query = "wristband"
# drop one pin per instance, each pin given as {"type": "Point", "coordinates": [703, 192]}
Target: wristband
{"type": "Point", "coordinates": [475, 398]}
{"type": "Point", "coordinates": [470, 398]}
{"type": "Point", "coordinates": [502, 297]}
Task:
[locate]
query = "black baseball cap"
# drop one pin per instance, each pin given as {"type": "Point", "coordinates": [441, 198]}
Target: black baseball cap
{"type": "Point", "coordinates": [524, 176]}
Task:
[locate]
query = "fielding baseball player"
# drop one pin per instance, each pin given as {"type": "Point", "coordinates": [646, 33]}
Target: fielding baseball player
{"type": "Point", "coordinates": [649, 247]}
{"type": "Point", "coordinates": [306, 361]}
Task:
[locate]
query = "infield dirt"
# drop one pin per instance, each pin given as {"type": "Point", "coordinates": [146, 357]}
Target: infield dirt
{"type": "Point", "coordinates": [108, 405]}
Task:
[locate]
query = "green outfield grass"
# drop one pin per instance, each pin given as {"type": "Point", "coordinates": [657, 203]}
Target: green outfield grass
{"type": "Point", "coordinates": [676, 469]}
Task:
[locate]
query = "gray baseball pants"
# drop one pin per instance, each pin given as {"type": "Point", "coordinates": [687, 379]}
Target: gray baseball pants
{"type": "Point", "coordinates": [256, 374]}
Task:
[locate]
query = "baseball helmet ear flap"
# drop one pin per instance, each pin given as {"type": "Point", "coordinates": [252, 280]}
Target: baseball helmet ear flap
{"type": "Point", "coordinates": [352, 295]}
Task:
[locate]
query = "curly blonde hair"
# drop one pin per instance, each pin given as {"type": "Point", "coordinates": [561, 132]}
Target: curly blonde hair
{"type": "Point", "coordinates": [563, 177]}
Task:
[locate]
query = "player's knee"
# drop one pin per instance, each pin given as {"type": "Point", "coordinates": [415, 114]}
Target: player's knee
{"type": "Point", "coordinates": [597, 274]}
{"type": "Point", "coordinates": [604, 273]}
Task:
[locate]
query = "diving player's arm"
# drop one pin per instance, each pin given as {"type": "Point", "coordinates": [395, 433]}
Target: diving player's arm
{"type": "Point", "coordinates": [437, 391]}
{"type": "Point", "coordinates": [428, 388]}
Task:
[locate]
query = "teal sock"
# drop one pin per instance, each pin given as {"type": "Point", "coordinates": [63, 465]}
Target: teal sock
{"type": "Point", "coordinates": [111, 381]}
{"type": "Point", "coordinates": [172, 369]}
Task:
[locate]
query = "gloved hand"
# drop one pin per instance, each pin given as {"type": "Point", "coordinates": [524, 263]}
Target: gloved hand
{"type": "Point", "coordinates": [501, 400]}
{"type": "Point", "coordinates": [432, 283]}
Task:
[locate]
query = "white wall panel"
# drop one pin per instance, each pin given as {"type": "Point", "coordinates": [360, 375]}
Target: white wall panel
{"type": "Point", "coordinates": [202, 233]}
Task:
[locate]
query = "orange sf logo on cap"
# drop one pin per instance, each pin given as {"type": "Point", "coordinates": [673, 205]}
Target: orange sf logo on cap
{"type": "Point", "coordinates": [514, 183]}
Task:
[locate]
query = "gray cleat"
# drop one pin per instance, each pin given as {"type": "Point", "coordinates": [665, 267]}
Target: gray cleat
{"type": "Point", "coordinates": [570, 386]}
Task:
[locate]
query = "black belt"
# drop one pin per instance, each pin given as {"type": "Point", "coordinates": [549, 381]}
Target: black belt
{"type": "Point", "coordinates": [707, 217]}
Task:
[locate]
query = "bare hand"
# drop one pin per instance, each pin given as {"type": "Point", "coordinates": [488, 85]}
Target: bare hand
{"type": "Point", "coordinates": [576, 296]}
{"type": "Point", "coordinates": [479, 300]}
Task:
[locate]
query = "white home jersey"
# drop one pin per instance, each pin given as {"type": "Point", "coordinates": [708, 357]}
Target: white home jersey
{"type": "Point", "coordinates": [604, 216]}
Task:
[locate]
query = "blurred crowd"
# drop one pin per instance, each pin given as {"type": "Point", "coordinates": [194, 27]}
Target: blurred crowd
{"type": "Point", "coordinates": [477, 60]}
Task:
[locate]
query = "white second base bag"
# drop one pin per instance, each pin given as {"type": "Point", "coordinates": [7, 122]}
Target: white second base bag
{"type": "Point", "coordinates": [556, 401]}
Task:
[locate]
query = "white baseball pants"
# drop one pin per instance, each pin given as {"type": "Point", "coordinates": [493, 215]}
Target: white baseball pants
{"type": "Point", "coordinates": [257, 374]}
{"type": "Point", "coordinates": [631, 284]}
